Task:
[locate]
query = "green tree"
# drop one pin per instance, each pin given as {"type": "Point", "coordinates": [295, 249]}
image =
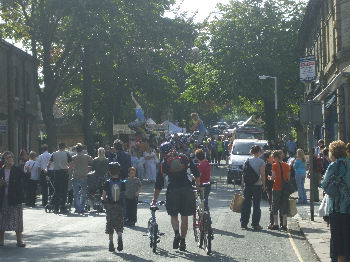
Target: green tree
{"type": "Point", "coordinates": [247, 39]}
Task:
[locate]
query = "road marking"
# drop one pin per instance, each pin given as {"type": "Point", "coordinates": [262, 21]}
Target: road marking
{"type": "Point", "coordinates": [295, 247]}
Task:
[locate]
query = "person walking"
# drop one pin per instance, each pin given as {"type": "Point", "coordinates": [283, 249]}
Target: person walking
{"type": "Point", "coordinates": [43, 160]}
{"type": "Point", "coordinates": [80, 166]}
{"type": "Point", "coordinates": [150, 164]}
{"type": "Point", "coordinates": [252, 193]}
{"type": "Point", "coordinates": [32, 174]}
{"type": "Point", "coordinates": [339, 201]}
{"type": "Point", "coordinates": [291, 147]}
{"type": "Point", "coordinates": [300, 175]}
{"type": "Point", "coordinates": [180, 198]}
{"type": "Point", "coordinates": [133, 188]}
{"type": "Point", "coordinates": [61, 160]}
{"type": "Point", "coordinates": [11, 199]}
{"type": "Point", "coordinates": [279, 197]}
{"type": "Point", "coordinates": [100, 165]}
{"type": "Point", "coordinates": [111, 195]}
{"type": "Point", "coordinates": [220, 149]}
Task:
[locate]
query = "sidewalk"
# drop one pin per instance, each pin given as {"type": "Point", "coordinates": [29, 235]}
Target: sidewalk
{"type": "Point", "coordinates": [316, 232]}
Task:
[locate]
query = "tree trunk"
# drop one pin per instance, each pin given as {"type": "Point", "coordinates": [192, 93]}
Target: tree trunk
{"type": "Point", "coordinates": [49, 121]}
{"type": "Point", "coordinates": [87, 101]}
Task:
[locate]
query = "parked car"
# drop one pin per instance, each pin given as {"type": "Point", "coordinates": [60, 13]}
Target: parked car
{"type": "Point", "coordinates": [238, 155]}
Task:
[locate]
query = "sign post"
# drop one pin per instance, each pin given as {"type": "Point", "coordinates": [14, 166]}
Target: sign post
{"type": "Point", "coordinates": [311, 115]}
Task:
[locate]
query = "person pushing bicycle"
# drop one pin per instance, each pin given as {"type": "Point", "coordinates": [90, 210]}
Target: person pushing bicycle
{"type": "Point", "coordinates": [179, 195]}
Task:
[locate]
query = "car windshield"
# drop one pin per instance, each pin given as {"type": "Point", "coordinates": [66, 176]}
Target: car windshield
{"type": "Point", "coordinates": [246, 136]}
{"type": "Point", "coordinates": [243, 148]}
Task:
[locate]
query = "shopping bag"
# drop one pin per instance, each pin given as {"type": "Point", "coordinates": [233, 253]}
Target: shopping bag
{"type": "Point", "coordinates": [323, 209]}
{"type": "Point", "coordinates": [292, 208]}
{"type": "Point", "coordinates": [237, 202]}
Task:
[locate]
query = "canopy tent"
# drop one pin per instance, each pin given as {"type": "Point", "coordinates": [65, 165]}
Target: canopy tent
{"type": "Point", "coordinates": [172, 128]}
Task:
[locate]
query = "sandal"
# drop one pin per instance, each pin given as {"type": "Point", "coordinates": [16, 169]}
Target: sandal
{"type": "Point", "coordinates": [20, 244]}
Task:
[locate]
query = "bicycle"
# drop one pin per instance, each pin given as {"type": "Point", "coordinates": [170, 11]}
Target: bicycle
{"type": "Point", "coordinates": [203, 232]}
{"type": "Point", "coordinates": [152, 227]}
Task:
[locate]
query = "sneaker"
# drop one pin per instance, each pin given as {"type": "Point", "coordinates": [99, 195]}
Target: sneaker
{"type": "Point", "coordinates": [284, 228]}
{"type": "Point", "coordinates": [244, 227]}
{"type": "Point", "coordinates": [275, 227]}
{"type": "Point", "coordinates": [182, 244]}
{"type": "Point", "coordinates": [111, 247]}
{"type": "Point", "coordinates": [176, 241]}
{"type": "Point", "coordinates": [270, 226]}
{"type": "Point", "coordinates": [257, 228]}
{"type": "Point", "coordinates": [120, 244]}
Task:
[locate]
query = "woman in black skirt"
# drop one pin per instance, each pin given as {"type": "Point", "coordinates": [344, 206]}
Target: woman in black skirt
{"type": "Point", "coordinates": [11, 199]}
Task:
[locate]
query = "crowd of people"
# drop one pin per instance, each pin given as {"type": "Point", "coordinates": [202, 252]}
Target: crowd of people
{"type": "Point", "coordinates": [122, 168]}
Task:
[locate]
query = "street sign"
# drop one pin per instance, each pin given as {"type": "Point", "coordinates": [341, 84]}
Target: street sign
{"type": "Point", "coordinates": [311, 113]}
{"type": "Point", "coordinates": [307, 68]}
{"type": "Point", "coordinates": [3, 126]}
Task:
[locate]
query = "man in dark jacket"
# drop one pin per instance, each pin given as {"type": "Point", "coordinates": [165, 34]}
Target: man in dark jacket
{"type": "Point", "coordinates": [123, 158]}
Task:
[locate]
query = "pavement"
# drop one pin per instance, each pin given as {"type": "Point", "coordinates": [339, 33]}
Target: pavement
{"type": "Point", "coordinates": [316, 232]}
{"type": "Point", "coordinates": [81, 237]}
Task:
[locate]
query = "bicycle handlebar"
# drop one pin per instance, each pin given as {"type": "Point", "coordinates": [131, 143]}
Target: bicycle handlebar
{"type": "Point", "coordinates": [159, 203]}
{"type": "Point", "coordinates": [207, 184]}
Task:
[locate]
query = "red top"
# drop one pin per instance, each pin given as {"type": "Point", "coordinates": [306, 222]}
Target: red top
{"type": "Point", "coordinates": [204, 169]}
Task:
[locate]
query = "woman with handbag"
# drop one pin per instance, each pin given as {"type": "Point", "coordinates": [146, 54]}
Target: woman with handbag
{"type": "Point", "coordinates": [11, 199]}
{"type": "Point", "coordinates": [31, 169]}
{"type": "Point", "coordinates": [280, 194]}
{"type": "Point", "coordinates": [336, 184]}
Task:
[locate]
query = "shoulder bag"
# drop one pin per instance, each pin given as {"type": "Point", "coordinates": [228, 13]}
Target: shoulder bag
{"type": "Point", "coordinates": [287, 187]}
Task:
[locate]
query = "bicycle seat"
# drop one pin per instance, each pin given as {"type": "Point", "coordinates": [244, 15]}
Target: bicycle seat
{"type": "Point", "coordinates": [154, 208]}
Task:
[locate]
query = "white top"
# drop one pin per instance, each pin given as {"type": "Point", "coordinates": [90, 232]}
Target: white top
{"type": "Point", "coordinates": [43, 160]}
{"type": "Point", "coordinates": [33, 166]}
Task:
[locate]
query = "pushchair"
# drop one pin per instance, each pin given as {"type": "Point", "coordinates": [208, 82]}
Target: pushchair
{"type": "Point", "coordinates": [94, 193]}
{"type": "Point", "coordinates": [50, 207]}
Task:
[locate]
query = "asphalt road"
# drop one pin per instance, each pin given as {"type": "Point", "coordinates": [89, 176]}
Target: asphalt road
{"type": "Point", "coordinates": [71, 237]}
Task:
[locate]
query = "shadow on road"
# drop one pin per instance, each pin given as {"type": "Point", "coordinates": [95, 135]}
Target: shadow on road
{"type": "Point", "coordinates": [226, 233]}
{"type": "Point", "coordinates": [130, 257]}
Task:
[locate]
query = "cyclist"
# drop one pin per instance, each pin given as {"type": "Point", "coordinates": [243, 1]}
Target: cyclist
{"type": "Point", "coordinates": [179, 195]}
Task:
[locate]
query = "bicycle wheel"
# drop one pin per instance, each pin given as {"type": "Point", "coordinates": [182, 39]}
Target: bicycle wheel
{"type": "Point", "coordinates": [155, 238]}
{"type": "Point", "coordinates": [150, 233]}
{"type": "Point", "coordinates": [206, 234]}
{"type": "Point", "coordinates": [196, 226]}
{"type": "Point", "coordinates": [201, 231]}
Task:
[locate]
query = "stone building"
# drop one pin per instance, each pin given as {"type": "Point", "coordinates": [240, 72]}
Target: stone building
{"type": "Point", "coordinates": [325, 33]}
{"type": "Point", "coordinates": [19, 105]}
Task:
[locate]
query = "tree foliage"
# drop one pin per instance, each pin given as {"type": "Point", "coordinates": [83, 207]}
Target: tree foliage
{"type": "Point", "coordinates": [246, 39]}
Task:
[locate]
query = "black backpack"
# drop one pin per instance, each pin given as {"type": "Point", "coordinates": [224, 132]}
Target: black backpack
{"type": "Point", "coordinates": [250, 177]}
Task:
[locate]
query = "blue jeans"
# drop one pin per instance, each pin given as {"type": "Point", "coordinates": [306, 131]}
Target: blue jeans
{"type": "Point", "coordinates": [251, 194]}
{"type": "Point", "coordinates": [79, 199]}
{"type": "Point", "coordinates": [300, 180]}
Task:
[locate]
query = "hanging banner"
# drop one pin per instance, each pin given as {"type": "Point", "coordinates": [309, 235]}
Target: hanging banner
{"type": "Point", "coordinates": [307, 69]}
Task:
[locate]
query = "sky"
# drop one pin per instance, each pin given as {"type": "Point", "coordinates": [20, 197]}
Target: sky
{"type": "Point", "coordinates": [204, 7]}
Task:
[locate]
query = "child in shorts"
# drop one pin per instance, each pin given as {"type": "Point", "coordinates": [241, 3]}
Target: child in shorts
{"type": "Point", "coordinates": [113, 205]}
{"type": "Point", "coordinates": [133, 188]}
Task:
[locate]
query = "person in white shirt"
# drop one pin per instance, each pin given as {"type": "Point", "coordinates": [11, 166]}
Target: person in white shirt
{"type": "Point", "coordinates": [31, 171]}
{"type": "Point", "coordinates": [43, 160]}
{"type": "Point", "coordinates": [150, 164]}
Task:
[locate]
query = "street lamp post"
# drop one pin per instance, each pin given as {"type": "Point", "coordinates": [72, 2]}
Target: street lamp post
{"type": "Point", "coordinates": [264, 77]}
